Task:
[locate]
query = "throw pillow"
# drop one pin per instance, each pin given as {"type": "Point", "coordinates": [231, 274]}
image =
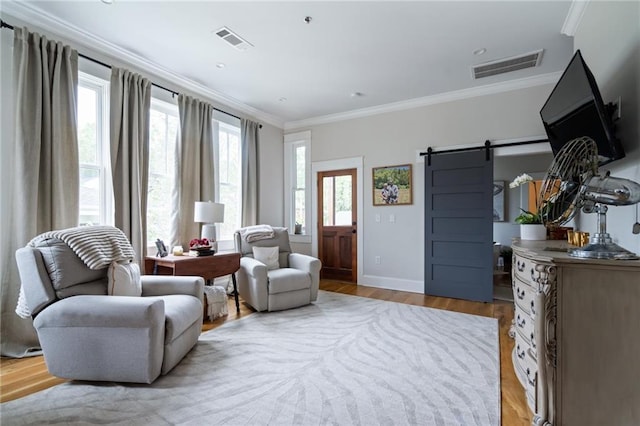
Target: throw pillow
{"type": "Point", "coordinates": [268, 256]}
{"type": "Point", "coordinates": [124, 279]}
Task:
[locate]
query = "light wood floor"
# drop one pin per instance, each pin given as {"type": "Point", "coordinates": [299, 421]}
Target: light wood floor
{"type": "Point", "coordinates": [21, 377]}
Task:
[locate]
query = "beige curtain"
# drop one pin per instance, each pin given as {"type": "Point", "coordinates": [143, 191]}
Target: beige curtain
{"type": "Point", "coordinates": [45, 189]}
{"type": "Point", "coordinates": [194, 167]}
{"type": "Point", "coordinates": [250, 136]}
{"type": "Point", "coordinates": [129, 127]}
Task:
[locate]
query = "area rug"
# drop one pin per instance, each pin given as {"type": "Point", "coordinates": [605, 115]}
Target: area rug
{"type": "Point", "coordinates": [344, 360]}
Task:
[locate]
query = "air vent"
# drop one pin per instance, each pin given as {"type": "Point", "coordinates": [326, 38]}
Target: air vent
{"type": "Point", "coordinates": [514, 63]}
{"type": "Point", "coordinates": [233, 39]}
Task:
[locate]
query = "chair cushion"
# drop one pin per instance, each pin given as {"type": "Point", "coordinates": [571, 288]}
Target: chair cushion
{"type": "Point", "coordinates": [180, 311]}
{"type": "Point", "coordinates": [287, 279]}
{"type": "Point", "coordinates": [124, 279]}
{"type": "Point", "coordinates": [267, 255]}
{"type": "Point", "coordinates": [64, 266]}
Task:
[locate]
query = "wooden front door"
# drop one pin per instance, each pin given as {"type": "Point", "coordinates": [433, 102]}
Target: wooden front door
{"type": "Point", "coordinates": [337, 227]}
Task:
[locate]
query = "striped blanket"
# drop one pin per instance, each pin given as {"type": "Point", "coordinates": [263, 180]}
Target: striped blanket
{"type": "Point", "coordinates": [96, 246]}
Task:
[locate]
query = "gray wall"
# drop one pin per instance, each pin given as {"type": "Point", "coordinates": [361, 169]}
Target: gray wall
{"type": "Point", "coordinates": [394, 138]}
{"type": "Point", "coordinates": [609, 38]}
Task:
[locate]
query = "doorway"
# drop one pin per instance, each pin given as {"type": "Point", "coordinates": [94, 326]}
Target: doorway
{"type": "Point", "coordinates": [337, 213]}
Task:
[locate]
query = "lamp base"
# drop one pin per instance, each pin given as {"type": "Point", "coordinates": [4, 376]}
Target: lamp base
{"type": "Point", "coordinates": [209, 232]}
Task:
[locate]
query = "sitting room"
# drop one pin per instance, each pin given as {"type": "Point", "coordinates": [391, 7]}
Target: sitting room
{"type": "Point", "coordinates": [232, 213]}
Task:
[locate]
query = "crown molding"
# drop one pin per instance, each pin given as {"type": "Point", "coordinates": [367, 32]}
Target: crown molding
{"type": "Point", "coordinates": [34, 16]}
{"type": "Point", "coordinates": [574, 17]}
{"type": "Point", "coordinates": [490, 89]}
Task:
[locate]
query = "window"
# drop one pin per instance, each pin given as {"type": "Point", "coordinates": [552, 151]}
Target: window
{"type": "Point", "coordinates": [163, 128]}
{"type": "Point", "coordinates": [96, 194]}
{"type": "Point", "coordinates": [229, 179]}
{"type": "Point", "coordinates": [297, 177]}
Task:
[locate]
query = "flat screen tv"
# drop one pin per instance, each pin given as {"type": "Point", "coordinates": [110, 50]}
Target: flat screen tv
{"type": "Point", "coordinates": [575, 109]}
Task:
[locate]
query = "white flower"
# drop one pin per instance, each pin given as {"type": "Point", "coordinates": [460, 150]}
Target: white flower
{"type": "Point", "coordinates": [520, 180]}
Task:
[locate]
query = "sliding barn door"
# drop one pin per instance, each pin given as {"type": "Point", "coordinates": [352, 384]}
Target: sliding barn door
{"type": "Point", "coordinates": [459, 226]}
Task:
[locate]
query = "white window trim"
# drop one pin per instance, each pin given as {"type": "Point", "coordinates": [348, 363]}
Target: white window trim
{"type": "Point", "coordinates": [101, 86]}
{"type": "Point", "coordinates": [291, 142]}
{"type": "Point", "coordinates": [169, 109]}
{"type": "Point", "coordinates": [223, 121]}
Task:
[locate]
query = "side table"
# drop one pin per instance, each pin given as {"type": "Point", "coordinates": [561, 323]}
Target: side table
{"type": "Point", "coordinates": [207, 267]}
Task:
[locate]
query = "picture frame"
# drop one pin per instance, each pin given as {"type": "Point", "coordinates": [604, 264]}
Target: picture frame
{"type": "Point", "coordinates": [498, 200]}
{"type": "Point", "coordinates": [392, 185]}
{"type": "Point", "coordinates": [162, 249]}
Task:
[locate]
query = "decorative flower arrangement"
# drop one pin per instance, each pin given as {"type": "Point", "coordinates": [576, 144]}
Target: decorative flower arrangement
{"type": "Point", "coordinates": [526, 217]}
{"type": "Point", "coordinates": [199, 243]}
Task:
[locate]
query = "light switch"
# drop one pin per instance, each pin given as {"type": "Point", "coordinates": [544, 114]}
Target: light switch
{"type": "Point", "coordinates": [377, 218]}
{"type": "Point", "coordinates": [392, 218]}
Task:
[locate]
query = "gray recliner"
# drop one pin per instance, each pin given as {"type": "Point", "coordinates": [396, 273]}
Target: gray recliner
{"type": "Point", "coordinates": [295, 283]}
{"type": "Point", "coordinates": [87, 335]}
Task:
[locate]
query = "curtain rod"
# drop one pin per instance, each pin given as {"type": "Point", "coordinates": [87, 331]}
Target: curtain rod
{"type": "Point", "coordinates": [4, 24]}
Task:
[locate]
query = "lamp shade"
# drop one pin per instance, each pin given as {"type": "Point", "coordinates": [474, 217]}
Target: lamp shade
{"type": "Point", "coordinates": [208, 212]}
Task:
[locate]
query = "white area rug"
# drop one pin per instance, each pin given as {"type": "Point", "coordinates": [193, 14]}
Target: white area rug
{"type": "Point", "coordinates": [344, 360]}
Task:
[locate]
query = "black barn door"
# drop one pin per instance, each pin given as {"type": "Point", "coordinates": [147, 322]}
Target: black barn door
{"type": "Point", "coordinates": [459, 226]}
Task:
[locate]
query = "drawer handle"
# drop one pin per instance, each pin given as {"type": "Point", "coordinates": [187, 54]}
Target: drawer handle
{"type": "Point", "coordinates": [520, 293]}
{"type": "Point", "coordinates": [520, 321]}
{"type": "Point", "coordinates": [533, 341]}
{"type": "Point", "coordinates": [520, 354]}
{"type": "Point", "coordinates": [520, 266]}
{"type": "Point", "coordinates": [531, 382]}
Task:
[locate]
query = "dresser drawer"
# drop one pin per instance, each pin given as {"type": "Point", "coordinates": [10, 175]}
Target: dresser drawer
{"type": "Point", "coordinates": [524, 325]}
{"type": "Point", "coordinates": [527, 373]}
{"type": "Point", "coordinates": [524, 296]}
{"type": "Point", "coordinates": [523, 269]}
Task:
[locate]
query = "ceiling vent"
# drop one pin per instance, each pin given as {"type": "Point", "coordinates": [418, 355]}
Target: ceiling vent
{"type": "Point", "coordinates": [233, 39]}
{"type": "Point", "coordinates": [514, 63]}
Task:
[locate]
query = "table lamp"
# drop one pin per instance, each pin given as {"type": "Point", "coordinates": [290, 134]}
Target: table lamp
{"type": "Point", "coordinates": [209, 214]}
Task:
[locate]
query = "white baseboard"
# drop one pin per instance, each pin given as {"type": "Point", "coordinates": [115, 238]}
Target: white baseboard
{"type": "Point", "coordinates": [391, 283]}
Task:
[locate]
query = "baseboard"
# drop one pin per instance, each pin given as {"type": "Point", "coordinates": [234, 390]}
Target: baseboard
{"type": "Point", "coordinates": [391, 283]}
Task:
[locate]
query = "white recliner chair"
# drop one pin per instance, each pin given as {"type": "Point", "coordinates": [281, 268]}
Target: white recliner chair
{"type": "Point", "coordinates": [290, 283]}
{"type": "Point", "coordinates": [87, 335]}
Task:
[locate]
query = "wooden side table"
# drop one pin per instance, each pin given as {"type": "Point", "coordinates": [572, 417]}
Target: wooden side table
{"type": "Point", "coordinates": [207, 267]}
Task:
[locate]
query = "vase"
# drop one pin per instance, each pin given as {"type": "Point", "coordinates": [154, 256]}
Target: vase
{"type": "Point", "coordinates": [534, 231]}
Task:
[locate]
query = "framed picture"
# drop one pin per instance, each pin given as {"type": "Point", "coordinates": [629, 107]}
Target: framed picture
{"type": "Point", "coordinates": [392, 185]}
{"type": "Point", "coordinates": [498, 201]}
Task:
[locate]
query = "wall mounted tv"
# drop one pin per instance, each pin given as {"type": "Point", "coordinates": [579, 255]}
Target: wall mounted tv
{"type": "Point", "coordinates": [575, 109]}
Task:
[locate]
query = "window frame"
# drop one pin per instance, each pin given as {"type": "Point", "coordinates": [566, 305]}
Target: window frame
{"type": "Point", "coordinates": [169, 109]}
{"type": "Point", "coordinates": [223, 121]}
{"type": "Point", "coordinates": [103, 164]}
{"type": "Point", "coordinates": [292, 142]}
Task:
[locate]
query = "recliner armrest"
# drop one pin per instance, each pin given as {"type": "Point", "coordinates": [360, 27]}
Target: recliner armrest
{"type": "Point", "coordinates": [305, 263]}
{"type": "Point", "coordinates": [102, 312]}
{"type": "Point", "coordinates": [162, 285]}
{"type": "Point", "coordinates": [254, 268]}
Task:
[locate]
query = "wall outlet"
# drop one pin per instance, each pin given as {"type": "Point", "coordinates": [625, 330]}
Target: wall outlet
{"type": "Point", "coordinates": [392, 218]}
{"type": "Point", "coordinates": [377, 260]}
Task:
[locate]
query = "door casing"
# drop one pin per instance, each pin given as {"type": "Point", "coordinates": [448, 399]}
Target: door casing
{"type": "Point", "coordinates": [345, 163]}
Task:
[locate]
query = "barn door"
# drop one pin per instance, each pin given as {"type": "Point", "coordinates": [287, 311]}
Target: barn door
{"type": "Point", "coordinates": [459, 225]}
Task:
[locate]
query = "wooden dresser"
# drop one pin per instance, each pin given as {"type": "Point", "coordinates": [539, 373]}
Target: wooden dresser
{"type": "Point", "coordinates": [577, 335]}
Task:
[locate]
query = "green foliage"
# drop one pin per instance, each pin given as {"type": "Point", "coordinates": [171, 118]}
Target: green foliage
{"type": "Point", "coordinates": [398, 175]}
{"type": "Point", "coordinates": [528, 218]}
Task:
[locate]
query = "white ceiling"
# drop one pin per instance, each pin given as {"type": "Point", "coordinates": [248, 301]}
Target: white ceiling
{"type": "Point", "coordinates": [391, 52]}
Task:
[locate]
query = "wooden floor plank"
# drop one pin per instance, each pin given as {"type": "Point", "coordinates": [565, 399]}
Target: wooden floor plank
{"type": "Point", "coordinates": [22, 377]}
